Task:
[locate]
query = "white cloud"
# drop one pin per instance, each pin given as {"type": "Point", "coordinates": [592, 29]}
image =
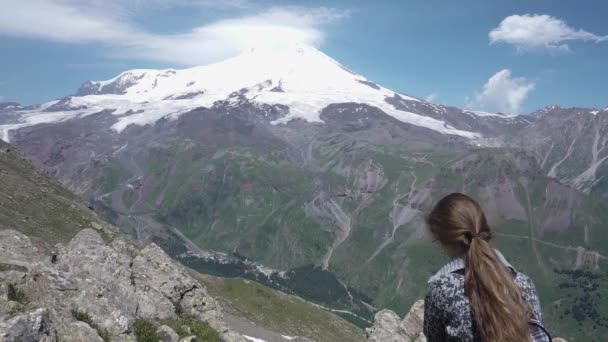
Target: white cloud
{"type": "Point", "coordinates": [502, 93]}
{"type": "Point", "coordinates": [431, 97]}
{"type": "Point", "coordinates": [145, 4]}
{"type": "Point", "coordinates": [531, 32]}
{"type": "Point", "coordinates": [112, 23]}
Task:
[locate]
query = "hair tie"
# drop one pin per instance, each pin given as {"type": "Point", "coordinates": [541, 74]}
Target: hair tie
{"type": "Point", "coordinates": [481, 235]}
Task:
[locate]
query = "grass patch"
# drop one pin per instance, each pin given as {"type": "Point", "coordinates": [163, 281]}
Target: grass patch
{"type": "Point", "coordinates": [16, 294]}
{"type": "Point", "coordinates": [145, 331]}
{"type": "Point", "coordinates": [202, 331]}
{"type": "Point", "coordinates": [86, 318]}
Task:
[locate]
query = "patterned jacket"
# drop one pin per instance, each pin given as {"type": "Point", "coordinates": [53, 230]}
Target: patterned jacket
{"type": "Point", "coordinates": [447, 315]}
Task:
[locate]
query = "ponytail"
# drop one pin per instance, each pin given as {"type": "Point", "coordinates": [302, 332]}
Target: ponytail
{"type": "Point", "coordinates": [500, 311]}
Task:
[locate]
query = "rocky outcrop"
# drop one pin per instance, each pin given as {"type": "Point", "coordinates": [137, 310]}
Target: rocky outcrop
{"type": "Point", "coordinates": [388, 327]}
{"type": "Point", "coordinates": [91, 289]}
{"type": "Point", "coordinates": [29, 326]}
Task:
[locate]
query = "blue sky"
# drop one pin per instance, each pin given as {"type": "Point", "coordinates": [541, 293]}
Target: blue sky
{"type": "Point", "coordinates": [509, 56]}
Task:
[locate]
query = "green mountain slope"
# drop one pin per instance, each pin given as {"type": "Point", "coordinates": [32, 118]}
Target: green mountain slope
{"type": "Point", "coordinates": [289, 315]}
{"type": "Point", "coordinates": [37, 205]}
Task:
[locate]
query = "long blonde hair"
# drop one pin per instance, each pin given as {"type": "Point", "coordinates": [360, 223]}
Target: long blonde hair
{"type": "Point", "coordinates": [501, 312]}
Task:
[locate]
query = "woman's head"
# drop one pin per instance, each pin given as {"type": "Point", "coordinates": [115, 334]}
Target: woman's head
{"type": "Point", "coordinates": [501, 313]}
{"type": "Point", "coordinates": [455, 220]}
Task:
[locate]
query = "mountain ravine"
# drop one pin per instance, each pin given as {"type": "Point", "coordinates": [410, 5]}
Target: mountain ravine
{"type": "Point", "coordinates": [311, 179]}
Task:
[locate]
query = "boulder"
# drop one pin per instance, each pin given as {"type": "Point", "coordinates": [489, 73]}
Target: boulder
{"type": "Point", "coordinates": [33, 326]}
{"type": "Point", "coordinates": [80, 331]}
{"type": "Point", "coordinates": [159, 283]}
{"type": "Point", "coordinates": [166, 334]}
{"type": "Point", "coordinates": [387, 328]}
{"type": "Point", "coordinates": [102, 275]}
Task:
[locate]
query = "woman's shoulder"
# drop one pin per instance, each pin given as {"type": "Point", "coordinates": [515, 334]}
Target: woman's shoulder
{"type": "Point", "coordinates": [528, 290]}
{"type": "Point", "coordinates": [525, 283]}
{"type": "Point", "coordinates": [448, 286]}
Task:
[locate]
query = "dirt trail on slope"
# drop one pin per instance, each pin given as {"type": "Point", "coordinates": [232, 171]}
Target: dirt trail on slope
{"type": "Point", "coordinates": [587, 178]}
{"type": "Point", "coordinates": [553, 172]}
{"type": "Point", "coordinates": [581, 251]}
{"type": "Point", "coordinates": [400, 215]}
{"type": "Point", "coordinates": [344, 223]}
{"type": "Point", "coordinates": [552, 244]}
{"type": "Point", "coordinates": [531, 230]}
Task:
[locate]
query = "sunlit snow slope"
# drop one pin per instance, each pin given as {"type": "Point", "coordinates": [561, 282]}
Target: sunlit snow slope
{"type": "Point", "coordinates": [300, 77]}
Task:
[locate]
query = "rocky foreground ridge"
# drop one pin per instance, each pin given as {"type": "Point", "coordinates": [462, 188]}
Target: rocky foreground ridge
{"type": "Point", "coordinates": [95, 290]}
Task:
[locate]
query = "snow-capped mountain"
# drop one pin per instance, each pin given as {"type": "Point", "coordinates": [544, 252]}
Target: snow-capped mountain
{"type": "Point", "coordinates": [300, 77]}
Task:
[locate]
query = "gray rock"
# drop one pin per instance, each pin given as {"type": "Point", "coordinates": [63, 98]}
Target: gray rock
{"type": "Point", "coordinates": [387, 328]}
{"type": "Point", "coordinates": [188, 339]}
{"type": "Point", "coordinates": [103, 276]}
{"type": "Point", "coordinates": [33, 326]}
{"type": "Point", "coordinates": [413, 322]}
{"type": "Point", "coordinates": [186, 329]}
{"type": "Point", "coordinates": [197, 303]}
{"type": "Point", "coordinates": [110, 285]}
{"type": "Point", "coordinates": [160, 284]}
{"type": "Point", "coordinates": [167, 334]}
{"type": "Point", "coordinates": [18, 249]}
{"type": "Point", "coordinates": [80, 331]}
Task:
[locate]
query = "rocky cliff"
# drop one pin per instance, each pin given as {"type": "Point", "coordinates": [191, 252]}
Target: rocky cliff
{"type": "Point", "coordinates": [388, 327]}
{"type": "Point", "coordinates": [96, 289]}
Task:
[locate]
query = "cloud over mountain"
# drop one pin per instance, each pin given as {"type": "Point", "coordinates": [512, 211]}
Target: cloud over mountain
{"type": "Point", "coordinates": [502, 93]}
{"type": "Point", "coordinates": [110, 23]}
{"type": "Point", "coordinates": [530, 32]}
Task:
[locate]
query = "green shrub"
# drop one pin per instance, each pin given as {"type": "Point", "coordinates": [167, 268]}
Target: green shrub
{"type": "Point", "coordinates": [104, 334]}
{"type": "Point", "coordinates": [145, 331]}
{"type": "Point", "coordinates": [203, 331]}
{"type": "Point", "coordinates": [176, 325]}
{"type": "Point", "coordinates": [82, 316]}
{"type": "Point", "coordinates": [16, 294]}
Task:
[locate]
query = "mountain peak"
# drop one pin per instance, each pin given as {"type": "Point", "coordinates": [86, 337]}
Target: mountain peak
{"type": "Point", "coordinates": [296, 48]}
{"type": "Point", "coordinates": [297, 76]}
